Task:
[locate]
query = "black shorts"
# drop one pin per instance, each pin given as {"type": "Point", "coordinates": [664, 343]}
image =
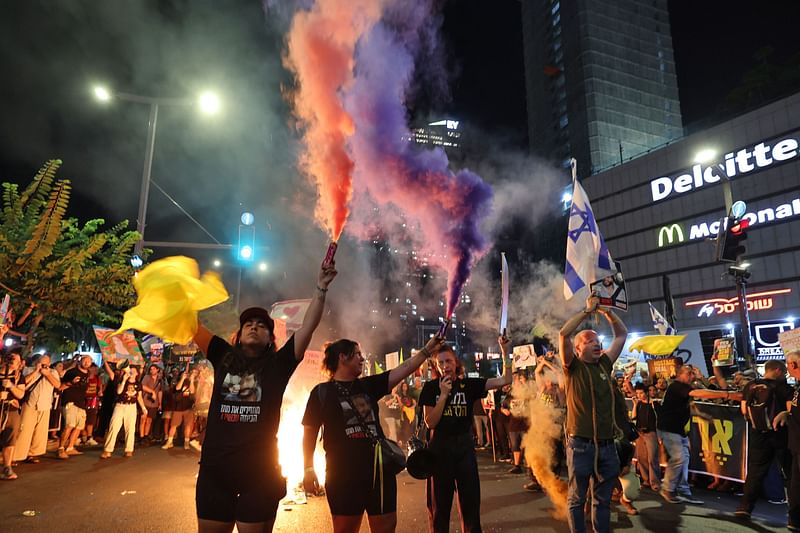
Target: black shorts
{"type": "Point", "coordinates": [516, 440]}
{"type": "Point", "coordinates": [224, 495]}
{"type": "Point", "coordinates": [351, 497]}
{"type": "Point", "coordinates": [8, 437]}
{"type": "Point", "coordinates": [91, 417]}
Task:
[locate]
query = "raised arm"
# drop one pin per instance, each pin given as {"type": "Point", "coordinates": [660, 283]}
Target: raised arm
{"type": "Point", "coordinates": [203, 338]}
{"type": "Point", "coordinates": [108, 370]}
{"type": "Point", "coordinates": [620, 333]}
{"type": "Point", "coordinates": [721, 381]}
{"type": "Point", "coordinates": [508, 374]}
{"type": "Point", "coordinates": [565, 347]}
{"type": "Point", "coordinates": [302, 337]}
{"type": "Point", "coordinates": [401, 372]}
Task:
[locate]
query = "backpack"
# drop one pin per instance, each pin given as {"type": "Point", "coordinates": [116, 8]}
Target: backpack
{"type": "Point", "coordinates": [761, 405]}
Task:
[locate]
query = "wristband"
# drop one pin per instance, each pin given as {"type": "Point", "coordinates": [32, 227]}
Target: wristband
{"type": "Point", "coordinates": [320, 289]}
{"type": "Point", "coordinates": [309, 469]}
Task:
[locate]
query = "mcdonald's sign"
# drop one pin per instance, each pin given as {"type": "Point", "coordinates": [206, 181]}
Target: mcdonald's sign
{"type": "Point", "coordinates": [670, 233]}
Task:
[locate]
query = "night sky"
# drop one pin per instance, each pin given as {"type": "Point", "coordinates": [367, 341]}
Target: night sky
{"type": "Point", "coordinates": [51, 53]}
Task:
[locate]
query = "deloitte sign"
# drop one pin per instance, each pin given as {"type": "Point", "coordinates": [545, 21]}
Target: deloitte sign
{"type": "Point", "coordinates": [745, 161]}
{"type": "Point", "coordinates": [676, 233]}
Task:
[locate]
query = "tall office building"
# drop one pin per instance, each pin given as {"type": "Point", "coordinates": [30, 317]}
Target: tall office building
{"type": "Point", "coordinates": [600, 77]}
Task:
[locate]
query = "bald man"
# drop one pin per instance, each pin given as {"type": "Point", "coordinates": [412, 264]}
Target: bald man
{"type": "Point", "coordinates": [591, 454]}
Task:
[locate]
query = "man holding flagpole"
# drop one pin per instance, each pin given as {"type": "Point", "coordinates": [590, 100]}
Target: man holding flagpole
{"type": "Point", "coordinates": [591, 455]}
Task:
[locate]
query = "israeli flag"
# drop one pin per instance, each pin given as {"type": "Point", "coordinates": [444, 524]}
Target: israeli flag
{"type": "Point", "coordinates": [660, 323]}
{"type": "Point", "coordinates": [588, 258]}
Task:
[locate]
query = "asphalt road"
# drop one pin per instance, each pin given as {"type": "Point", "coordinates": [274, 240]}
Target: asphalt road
{"type": "Point", "coordinates": [154, 492]}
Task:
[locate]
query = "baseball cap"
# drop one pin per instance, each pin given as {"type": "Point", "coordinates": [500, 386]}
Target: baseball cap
{"type": "Point", "coordinates": [259, 313]}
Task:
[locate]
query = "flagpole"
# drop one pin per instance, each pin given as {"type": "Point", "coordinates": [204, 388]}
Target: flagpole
{"type": "Point", "coordinates": [573, 163]}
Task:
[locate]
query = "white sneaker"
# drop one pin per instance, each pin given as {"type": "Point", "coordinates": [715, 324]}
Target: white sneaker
{"type": "Point", "coordinates": [195, 444]}
{"type": "Point", "coordinates": [185, 444]}
{"type": "Point", "coordinates": [168, 445]}
{"type": "Point", "coordinates": [92, 442]}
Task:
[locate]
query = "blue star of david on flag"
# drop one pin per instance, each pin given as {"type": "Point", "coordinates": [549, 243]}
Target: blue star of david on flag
{"type": "Point", "coordinates": [588, 223]}
{"type": "Point", "coordinates": [660, 323]}
{"type": "Point", "coordinates": [588, 258]}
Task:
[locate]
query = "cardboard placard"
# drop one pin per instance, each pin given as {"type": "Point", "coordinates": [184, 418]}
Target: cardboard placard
{"type": "Point", "coordinates": [790, 340]}
{"type": "Point", "coordinates": [664, 367]}
{"type": "Point", "coordinates": [724, 352]}
{"type": "Point", "coordinates": [611, 290]}
{"type": "Point", "coordinates": [524, 356]}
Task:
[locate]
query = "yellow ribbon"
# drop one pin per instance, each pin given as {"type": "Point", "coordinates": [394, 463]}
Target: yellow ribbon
{"type": "Point", "coordinates": [377, 469]}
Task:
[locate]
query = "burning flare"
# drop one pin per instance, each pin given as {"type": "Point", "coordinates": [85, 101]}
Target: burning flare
{"type": "Point", "coordinates": [321, 43]}
{"type": "Point", "coordinates": [446, 206]}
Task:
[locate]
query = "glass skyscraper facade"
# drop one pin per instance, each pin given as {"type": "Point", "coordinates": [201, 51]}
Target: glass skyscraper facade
{"type": "Point", "coordinates": [600, 80]}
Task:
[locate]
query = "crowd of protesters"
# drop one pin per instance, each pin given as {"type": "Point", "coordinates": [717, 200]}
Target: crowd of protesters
{"type": "Point", "coordinates": [68, 405]}
{"type": "Point", "coordinates": [620, 427]}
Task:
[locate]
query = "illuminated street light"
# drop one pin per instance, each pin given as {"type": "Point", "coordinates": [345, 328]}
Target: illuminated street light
{"type": "Point", "coordinates": [9, 342]}
{"type": "Point", "coordinates": [217, 263]}
{"type": "Point", "coordinates": [262, 267]}
{"type": "Point", "coordinates": [705, 156]}
{"type": "Point", "coordinates": [101, 93]}
{"type": "Point", "coordinates": [566, 197]}
{"type": "Point", "coordinates": [208, 102]}
{"type": "Point", "coordinates": [246, 252]}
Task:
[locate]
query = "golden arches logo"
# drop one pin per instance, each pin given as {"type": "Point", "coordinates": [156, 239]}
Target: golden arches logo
{"type": "Point", "coordinates": [671, 233]}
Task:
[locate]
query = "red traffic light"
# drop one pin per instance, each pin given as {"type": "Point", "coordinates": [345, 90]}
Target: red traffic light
{"type": "Point", "coordinates": [740, 226]}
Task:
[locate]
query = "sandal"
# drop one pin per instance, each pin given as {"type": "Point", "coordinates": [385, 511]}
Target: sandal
{"type": "Point", "coordinates": [8, 474]}
{"type": "Point", "coordinates": [105, 455]}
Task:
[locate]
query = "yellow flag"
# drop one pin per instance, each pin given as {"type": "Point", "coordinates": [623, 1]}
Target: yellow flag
{"type": "Point", "coordinates": [170, 292]}
{"type": "Point", "coordinates": [378, 369]}
{"type": "Point", "coordinates": [657, 344]}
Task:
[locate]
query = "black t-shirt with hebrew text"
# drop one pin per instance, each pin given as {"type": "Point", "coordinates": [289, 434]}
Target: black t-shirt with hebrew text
{"type": "Point", "coordinates": [457, 414]}
{"type": "Point", "coordinates": [348, 446]}
{"type": "Point", "coordinates": [245, 411]}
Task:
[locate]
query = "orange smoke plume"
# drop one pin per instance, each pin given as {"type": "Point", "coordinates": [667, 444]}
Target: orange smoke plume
{"type": "Point", "coordinates": [540, 446]}
{"type": "Point", "coordinates": [321, 45]}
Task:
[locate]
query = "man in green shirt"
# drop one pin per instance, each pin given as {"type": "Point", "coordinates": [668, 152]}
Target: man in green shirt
{"type": "Point", "coordinates": [591, 454]}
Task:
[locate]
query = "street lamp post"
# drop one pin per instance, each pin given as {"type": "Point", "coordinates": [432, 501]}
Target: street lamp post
{"type": "Point", "coordinates": [208, 103]}
{"type": "Point", "coordinates": [144, 192]}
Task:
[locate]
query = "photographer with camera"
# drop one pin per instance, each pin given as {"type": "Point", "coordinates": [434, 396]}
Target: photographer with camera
{"type": "Point", "coordinates": [12, 389]}
{"type": "Point", "coordinates": [40, 382]}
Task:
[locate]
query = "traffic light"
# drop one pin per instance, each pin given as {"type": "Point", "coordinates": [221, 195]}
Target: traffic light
{"type": "Point", "coordinates": [730, 243]}
{"type": "Point", "coordinates": [247, 243]}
